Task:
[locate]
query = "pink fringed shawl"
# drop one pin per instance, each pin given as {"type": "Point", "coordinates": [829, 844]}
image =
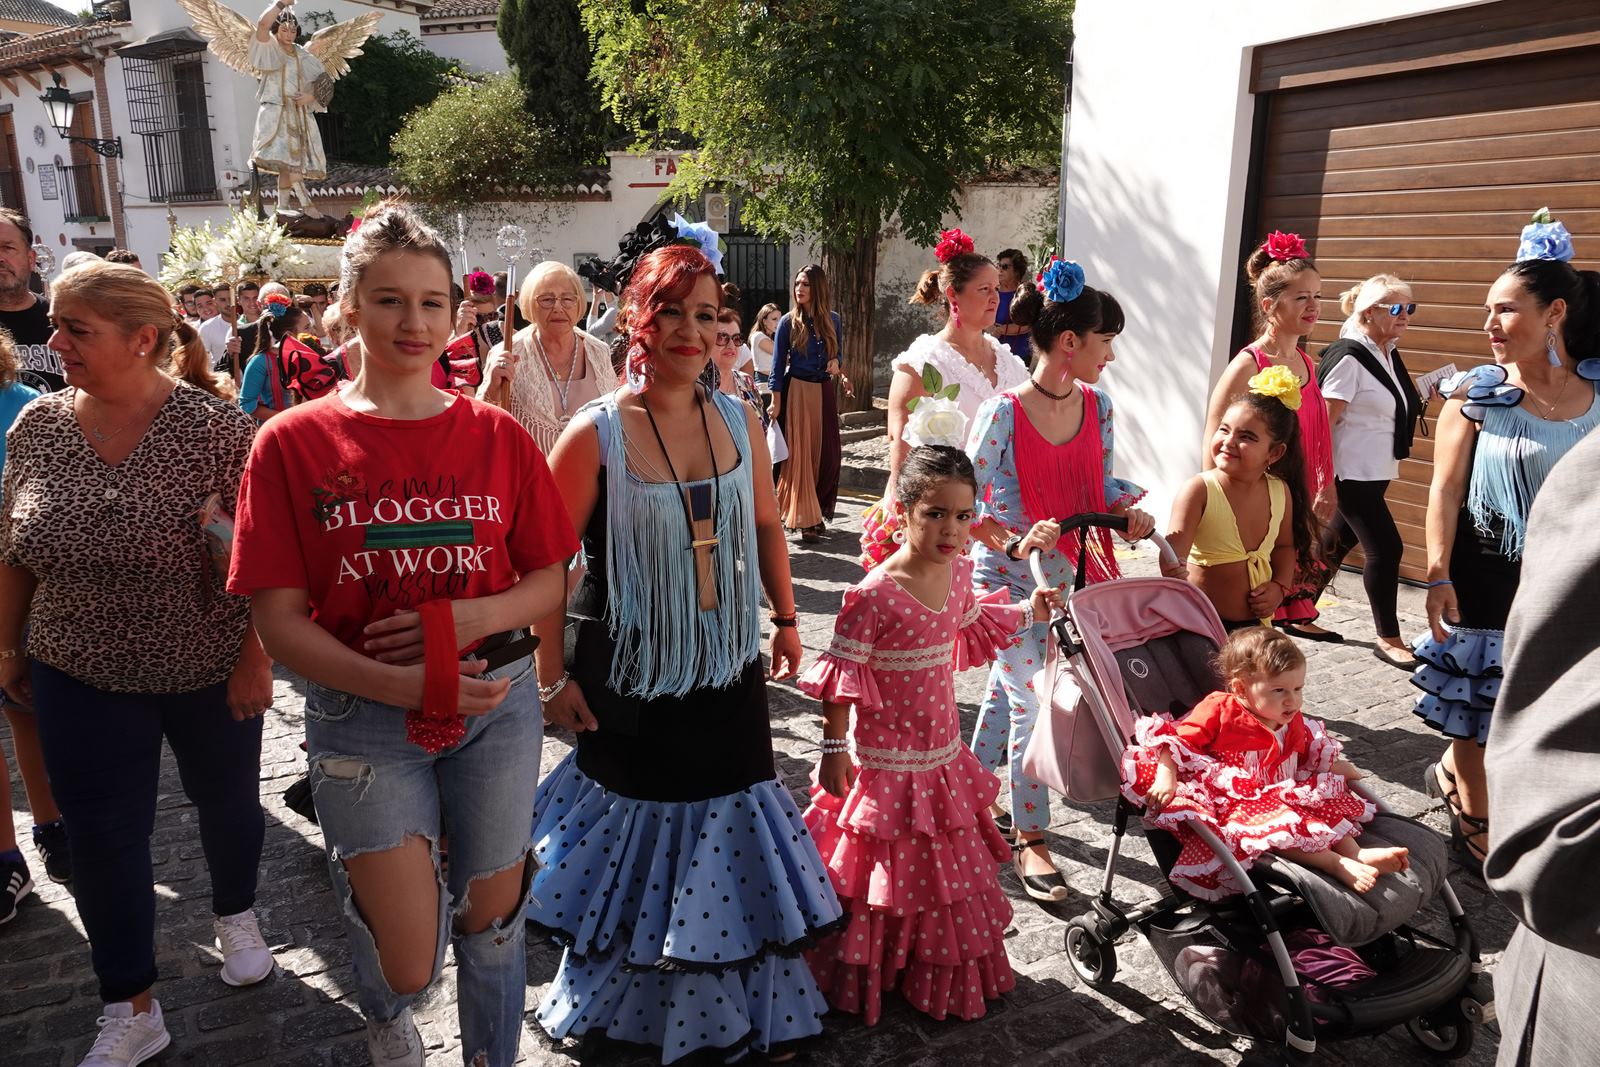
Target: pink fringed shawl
{"type": "Point", "coordinates": [1066, 479]}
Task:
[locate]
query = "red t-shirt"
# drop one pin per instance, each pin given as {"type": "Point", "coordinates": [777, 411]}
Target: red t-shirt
{"type": "Point", "coordinates": [370, 515]}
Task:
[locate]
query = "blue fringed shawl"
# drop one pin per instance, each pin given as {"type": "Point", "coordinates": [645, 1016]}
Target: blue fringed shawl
{"type": "Point", "coordinates": [665, 645]}
{"type": "Point", "coordinates": [1515, 450]}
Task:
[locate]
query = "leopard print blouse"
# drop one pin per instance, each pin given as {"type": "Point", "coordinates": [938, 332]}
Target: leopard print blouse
{"type": "Point", "coordinates": [127, 597]}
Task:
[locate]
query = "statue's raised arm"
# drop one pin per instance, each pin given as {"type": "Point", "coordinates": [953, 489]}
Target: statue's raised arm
{"type": "Point", "coordinates": [294, 82]}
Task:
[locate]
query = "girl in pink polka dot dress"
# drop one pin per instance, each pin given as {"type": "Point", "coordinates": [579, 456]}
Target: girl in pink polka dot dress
{"type": "Point", "coordinates": [1246, 764]}
{"type": "Point", "coordinates": [904, 827]}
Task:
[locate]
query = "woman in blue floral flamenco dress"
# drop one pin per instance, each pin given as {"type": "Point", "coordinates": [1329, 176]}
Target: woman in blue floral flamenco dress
{"type": "Point", "coordinates": [675, 866]}
{"type": "Point", "coordinates": [1504, 426]}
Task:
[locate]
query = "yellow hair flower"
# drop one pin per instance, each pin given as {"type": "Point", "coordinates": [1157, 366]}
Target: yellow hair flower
{"type": "Point", "coordinates": [1279, 383]}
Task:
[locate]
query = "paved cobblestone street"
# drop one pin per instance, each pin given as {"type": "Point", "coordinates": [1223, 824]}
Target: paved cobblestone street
{"type": "Point", "coordinates": [306, 1013]}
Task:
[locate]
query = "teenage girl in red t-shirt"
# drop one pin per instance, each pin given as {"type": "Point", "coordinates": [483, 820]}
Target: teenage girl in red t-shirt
{"type": "Point", "coordinates": [382, 531]}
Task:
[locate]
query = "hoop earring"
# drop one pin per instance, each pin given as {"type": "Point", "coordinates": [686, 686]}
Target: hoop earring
{"type": "Point", "coordinates": [1550, 349]}
{"type": "Point", "coordinates": [898, 537]}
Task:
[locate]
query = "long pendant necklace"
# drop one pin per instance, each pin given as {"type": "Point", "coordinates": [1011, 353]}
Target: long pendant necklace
{"type": "Point", "coordinates": [562, 388]}
{"type": "Point", "coordinates": [700, 505]}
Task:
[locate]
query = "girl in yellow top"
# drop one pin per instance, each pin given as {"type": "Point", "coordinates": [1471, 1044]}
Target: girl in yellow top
{"type": "Point", "coordinates": [1246, 524]}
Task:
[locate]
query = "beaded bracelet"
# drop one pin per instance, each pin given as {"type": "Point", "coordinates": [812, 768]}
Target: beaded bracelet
{"type": "Point", "coordinates": [833, 745]}
{"type": "Point", "coordinates": [1441, 581]}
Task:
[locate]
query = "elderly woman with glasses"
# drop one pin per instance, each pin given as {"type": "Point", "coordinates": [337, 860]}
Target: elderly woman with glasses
{"type": "Point", "coordinates": [1373, 410]}
{"type": "Point", "coordinates": [553, 368]}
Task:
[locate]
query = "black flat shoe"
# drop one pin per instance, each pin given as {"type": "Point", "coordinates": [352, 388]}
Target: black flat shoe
{"type": "Point", "coordinates": [1296, 630]}
{"type": "Point", "coordinates": [1046, 888]}
{"type": "Point", "coordinates": [1005, 824]}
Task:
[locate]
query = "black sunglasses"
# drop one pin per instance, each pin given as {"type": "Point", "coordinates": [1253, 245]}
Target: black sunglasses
{"type": "Point", "coordinates": [1395, 309]}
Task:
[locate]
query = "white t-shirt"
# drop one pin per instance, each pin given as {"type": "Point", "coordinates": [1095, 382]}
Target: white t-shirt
{"type": "Point", "coordinates": [214, 335]}
{"type": "Point", "coordinates": [1363, 439]}
{"type": "Point", "coordinates": [762, 357]}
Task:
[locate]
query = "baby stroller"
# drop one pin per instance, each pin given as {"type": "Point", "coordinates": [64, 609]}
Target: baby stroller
{"type": "Point", "coordinates": [1265, 965]}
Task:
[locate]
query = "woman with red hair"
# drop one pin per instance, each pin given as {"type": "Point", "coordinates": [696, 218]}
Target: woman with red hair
{"type": "Point", "coordinates": [669, 810]}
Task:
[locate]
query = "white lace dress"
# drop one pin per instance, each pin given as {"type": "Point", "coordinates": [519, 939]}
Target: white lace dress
{"type": "Point", "coordinates": [973, 388]}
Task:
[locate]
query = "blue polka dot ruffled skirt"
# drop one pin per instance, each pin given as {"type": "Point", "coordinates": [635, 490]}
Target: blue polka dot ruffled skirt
{"type": "Point", "coordinates": [1460, 680]}
{"type": "Point", "coordinates": [682, 922]}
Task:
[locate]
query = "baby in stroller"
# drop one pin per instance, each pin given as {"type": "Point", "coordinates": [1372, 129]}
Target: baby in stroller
{"type": "Point", "coordinates": [1247, 764]}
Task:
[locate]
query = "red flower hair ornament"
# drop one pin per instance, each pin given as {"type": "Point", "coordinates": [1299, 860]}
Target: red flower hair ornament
{"type": "Point", "coordinates": [952, 243]}
{"type": "Point", "coordinates": [1285, 246]}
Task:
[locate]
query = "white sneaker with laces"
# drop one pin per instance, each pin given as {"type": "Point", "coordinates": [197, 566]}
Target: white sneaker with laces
{"type": "Point", "coordinates": [245, 957]}
{"type": "Point", "coordinates": [395, 1043]}
{"type": "Point", "coordinates": [127, 1039]}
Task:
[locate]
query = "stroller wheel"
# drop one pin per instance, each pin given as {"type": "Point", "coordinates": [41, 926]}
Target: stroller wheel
{"type": "Point", "coordinates": [1093, 958]}
{"type": "Point", "coordinates": [1447, 1035]}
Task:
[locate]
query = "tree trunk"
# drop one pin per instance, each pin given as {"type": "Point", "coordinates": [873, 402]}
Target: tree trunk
{"type": "Point", "coordinates": [853, 279]}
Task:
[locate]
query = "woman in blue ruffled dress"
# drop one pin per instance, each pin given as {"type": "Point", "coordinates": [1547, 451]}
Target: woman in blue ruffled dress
{"type": "Point", "coordinates": [1504, 426]}
{"type": "Point", "coordinates": [674, 865]}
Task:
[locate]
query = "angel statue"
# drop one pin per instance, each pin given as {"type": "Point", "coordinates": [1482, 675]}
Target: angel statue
{"type": "Point", "coordinates": [295, 82]}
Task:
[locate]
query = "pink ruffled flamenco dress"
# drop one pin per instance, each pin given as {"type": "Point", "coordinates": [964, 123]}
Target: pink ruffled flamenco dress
{"type": "Point", "coordinates": [912, 850]}
{"type": "Point", "coordinates": [1255, 791]}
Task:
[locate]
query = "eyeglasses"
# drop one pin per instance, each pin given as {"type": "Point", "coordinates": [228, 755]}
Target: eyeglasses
{"type": "Point", "coordinates": [567, 302]}
{"type": "Point", "coordinates": [1006, 264]}
{"type": "Point", "coordinates": [1395, 309]}
{"type": "Point", "coordinates": [727, 338]}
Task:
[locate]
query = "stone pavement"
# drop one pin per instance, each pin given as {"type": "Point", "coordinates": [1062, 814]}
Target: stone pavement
{"type": "Point", "coordinates": [306, 1013]}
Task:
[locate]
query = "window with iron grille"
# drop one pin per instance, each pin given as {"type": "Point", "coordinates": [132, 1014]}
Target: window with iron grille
{"type": "Point", "coordinates": [10, 174]}
{"type": "Point", "coordinates": [167, 109]}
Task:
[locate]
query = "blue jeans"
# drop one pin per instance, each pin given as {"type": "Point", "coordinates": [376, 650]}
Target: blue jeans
{"type": "Point", "coordinates": [103, 754]}
{"type": "Point", "coordinates": [373, 789]}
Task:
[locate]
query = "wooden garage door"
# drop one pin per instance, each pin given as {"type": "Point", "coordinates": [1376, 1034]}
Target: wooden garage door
{"type": "Point", "coordinates": [1431, 175]}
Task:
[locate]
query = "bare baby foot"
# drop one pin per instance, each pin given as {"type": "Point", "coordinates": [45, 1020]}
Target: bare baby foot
{"type": "Point", "coordinates": [1385, 860]}
{"type": "Point", "coordinates": [1357, 875]}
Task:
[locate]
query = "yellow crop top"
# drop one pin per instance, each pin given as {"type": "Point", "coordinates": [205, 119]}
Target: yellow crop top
{"type": "Point", "coordinates": [1217, 541]}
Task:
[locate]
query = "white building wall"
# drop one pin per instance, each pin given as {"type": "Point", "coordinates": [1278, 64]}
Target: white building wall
{"type": "Point", "coordinates": [477, 50]}
{"type": "Point", "coordinates": [48, 217]}
{"type": "Point", "coordinates": [1156, 175]}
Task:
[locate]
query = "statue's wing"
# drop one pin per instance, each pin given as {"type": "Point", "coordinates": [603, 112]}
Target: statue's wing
{"type": "Point", "coordinates": [228, 31]}
{"type": "Point", "coordinates": [334, 46]}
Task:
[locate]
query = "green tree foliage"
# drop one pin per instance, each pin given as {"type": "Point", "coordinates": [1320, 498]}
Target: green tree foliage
{"type": "Point", "coordinates": [394, 75]}
{"type": "Point", "coordinates": [837, 115]}
{"type": "Point", "coordinates": [473, 139]}
{"type": "Point", "coordinates": [549, 51]}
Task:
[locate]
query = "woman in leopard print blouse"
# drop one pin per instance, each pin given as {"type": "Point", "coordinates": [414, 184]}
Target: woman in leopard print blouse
{"type": "Point", "coordinates": [132, 635]}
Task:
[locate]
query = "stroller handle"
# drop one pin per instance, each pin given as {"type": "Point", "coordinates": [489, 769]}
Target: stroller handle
{"type": "Point", "coordinates": [1098, 520]}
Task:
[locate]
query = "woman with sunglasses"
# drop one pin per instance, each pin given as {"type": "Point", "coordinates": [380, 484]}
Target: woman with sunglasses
{"type": "Point", "coordinates": [1373, 410]}
{"type": "Point", "coordinates": [553, 368]}
{"type": "Point", "coordinates": [723, 373]}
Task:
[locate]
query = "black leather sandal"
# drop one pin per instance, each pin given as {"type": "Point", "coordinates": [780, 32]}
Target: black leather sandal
{"type": "Point", "coordinates": [1468, 853]}
{"type": "Point", "coordinates": [1048, 888]}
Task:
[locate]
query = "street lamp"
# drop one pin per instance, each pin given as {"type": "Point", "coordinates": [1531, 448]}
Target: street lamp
{"type": "Point", "coordinates": [60, 106]}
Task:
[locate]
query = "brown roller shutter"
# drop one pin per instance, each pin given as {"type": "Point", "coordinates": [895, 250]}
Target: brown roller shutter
{"type": "Point", "coordinates": [1430, 175]}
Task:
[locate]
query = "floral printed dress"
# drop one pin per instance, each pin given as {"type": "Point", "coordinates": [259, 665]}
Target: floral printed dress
{"type": "Point", "coordinates": [912, 850]}
{"type": "Point", "coordinates": [1257, 791]}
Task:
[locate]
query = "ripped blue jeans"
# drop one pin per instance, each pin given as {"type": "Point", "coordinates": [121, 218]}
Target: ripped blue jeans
{"type": "Point", "coordinates": [373, 789]}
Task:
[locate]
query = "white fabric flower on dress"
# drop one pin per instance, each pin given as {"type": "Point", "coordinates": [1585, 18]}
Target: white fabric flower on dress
{"type": "Point", "coordinates": [935, 421]}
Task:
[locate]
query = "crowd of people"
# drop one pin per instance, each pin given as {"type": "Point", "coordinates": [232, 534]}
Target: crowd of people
{"type": "Point", "coordinates": [457, 529]}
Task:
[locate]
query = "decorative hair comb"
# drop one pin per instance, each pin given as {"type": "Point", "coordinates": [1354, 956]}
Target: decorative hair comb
{"type": "Point", "coordinates": [1285, 246]}
{"type": "Point", "coordinates": [952, 243]}
{"type": "Point", "coordinates": [1279, 383]}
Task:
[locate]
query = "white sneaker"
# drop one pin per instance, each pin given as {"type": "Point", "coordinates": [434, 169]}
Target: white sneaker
{"type": "Point", "coordinates": [245, 958]}
{"type": "Point", "coordinates": [395, 1043]}
{"type": "Point", "coordinates": [127, 1039]}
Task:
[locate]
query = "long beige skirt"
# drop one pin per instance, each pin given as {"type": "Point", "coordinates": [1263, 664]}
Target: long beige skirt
{"type": "Point", "coordinates": [802, 429]}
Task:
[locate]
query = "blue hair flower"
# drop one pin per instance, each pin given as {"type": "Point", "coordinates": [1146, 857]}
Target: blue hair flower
{"type": "Point", "coordinates": [1062, 280]}
{"type": "Point", "coordinates": [1545, 238]}
{"type": "Point", "coordinates": [701, 234]}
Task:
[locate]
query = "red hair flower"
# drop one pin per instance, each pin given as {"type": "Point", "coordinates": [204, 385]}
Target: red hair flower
{"type": "Point", "coordinates": [1284, 246]}
{"type": "Point", "coordinates": [952, 243]}
{"type": "Point", "coordinates": [480, 283]}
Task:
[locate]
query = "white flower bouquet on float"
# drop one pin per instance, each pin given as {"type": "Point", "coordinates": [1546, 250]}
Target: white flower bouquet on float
{"type": "Point", "coordinates": [187, 261]}
{"type": "Point", "coordinates": [252, 247]}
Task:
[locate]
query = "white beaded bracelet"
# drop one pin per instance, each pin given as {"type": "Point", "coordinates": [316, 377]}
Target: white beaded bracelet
{"type": "Point", "coordinates": [831, 745]}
